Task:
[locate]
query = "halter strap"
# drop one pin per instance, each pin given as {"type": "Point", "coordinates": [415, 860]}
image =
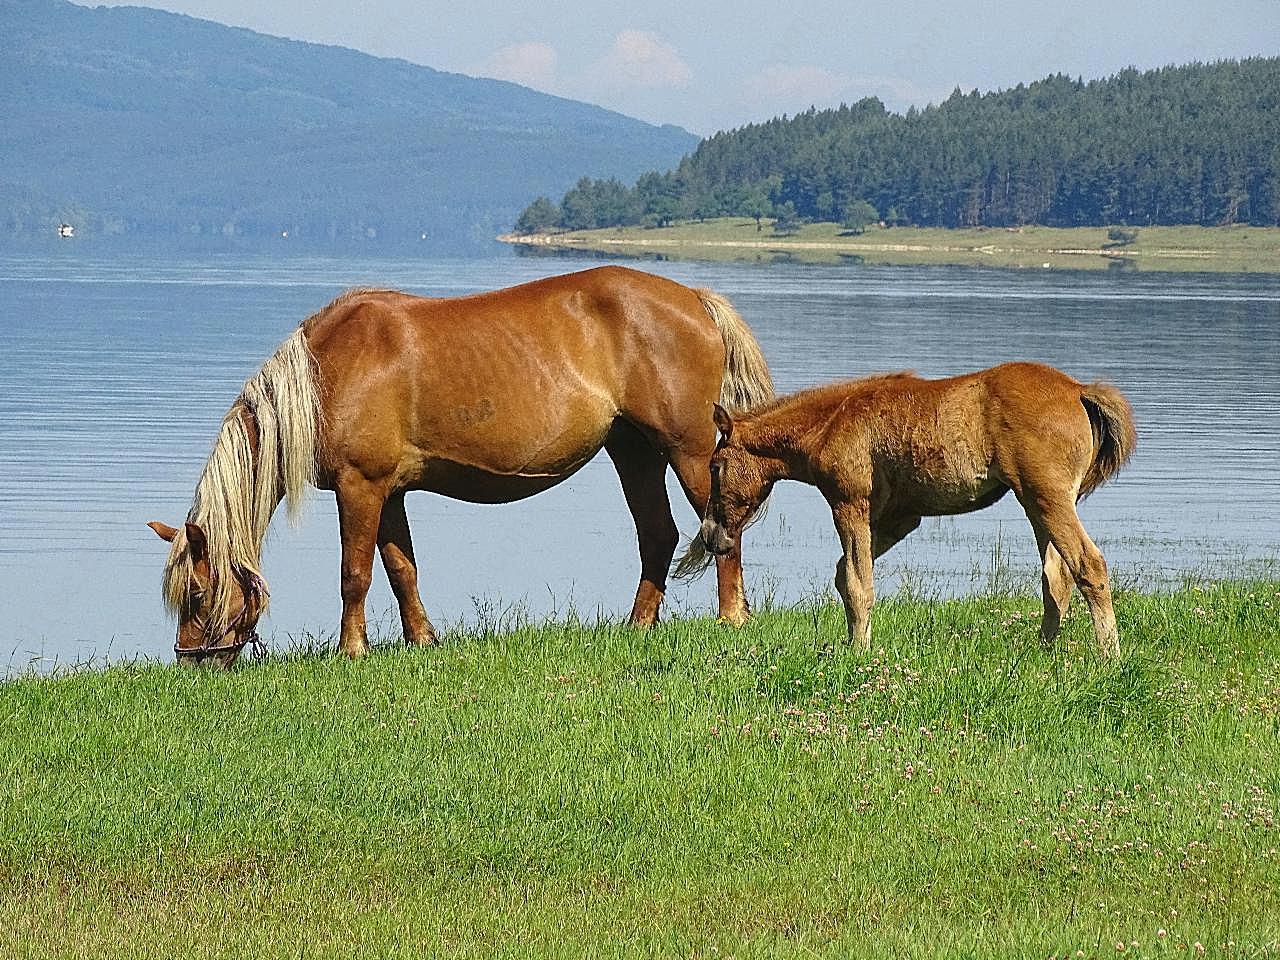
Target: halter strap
{"type": "Point", "coordinates": [255, 588]}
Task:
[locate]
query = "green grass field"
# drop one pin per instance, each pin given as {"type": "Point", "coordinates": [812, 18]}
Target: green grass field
{"type": "Point", "coordinates": [1235, 248]}
{"type": "Point", "coordinates": [694, 790]}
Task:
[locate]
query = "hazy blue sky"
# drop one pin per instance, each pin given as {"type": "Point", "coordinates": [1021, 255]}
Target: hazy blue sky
{"type": "Point", "coordinates": [712, 65]}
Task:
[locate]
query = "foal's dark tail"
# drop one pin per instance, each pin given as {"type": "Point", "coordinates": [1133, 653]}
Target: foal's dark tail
{"type": "Point", "coordinates": [1114, 434]}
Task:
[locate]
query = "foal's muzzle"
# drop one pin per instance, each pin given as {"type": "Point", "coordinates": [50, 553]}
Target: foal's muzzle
{"type": "Point", "coordinates": [715, 538]}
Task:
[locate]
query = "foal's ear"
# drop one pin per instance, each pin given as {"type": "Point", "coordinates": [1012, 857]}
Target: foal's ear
{"type": "Point", "coordinates": [724, 422]}
{"type": "Point", "coordinates": [163, 530]}
{"type": "Point", "coordinates": [197, 543]}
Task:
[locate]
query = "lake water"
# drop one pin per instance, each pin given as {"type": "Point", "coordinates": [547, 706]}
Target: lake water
{"type": "Point", "coordinates": [115, 373]}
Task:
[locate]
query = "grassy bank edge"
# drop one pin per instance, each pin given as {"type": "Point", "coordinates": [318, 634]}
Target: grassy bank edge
{"type": "Point", "coordinates": [1237, 248]}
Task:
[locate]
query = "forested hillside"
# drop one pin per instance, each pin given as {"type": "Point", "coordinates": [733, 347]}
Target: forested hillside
{"type": "Point", "coordinates": [1196, 144]}
{"type": "Point", "coordinates": [137, 122]}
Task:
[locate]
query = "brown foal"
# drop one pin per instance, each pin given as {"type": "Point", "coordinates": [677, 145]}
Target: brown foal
{"type": "Point", "coordinates": [888, 450]}
{"type": "Point", "coordinates": [488, 398]}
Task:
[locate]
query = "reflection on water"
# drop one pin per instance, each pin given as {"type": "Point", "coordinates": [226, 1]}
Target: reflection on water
{"type": "Point", "coordinates": [115, 374]}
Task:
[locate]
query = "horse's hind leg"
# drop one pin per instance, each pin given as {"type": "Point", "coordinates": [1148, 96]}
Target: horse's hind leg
{"type": "Point", "coordinates": [693, 470]}
{"type": "Point", "coordinates": [1056, 521]}
{"type": "Point", "coordinates": [642, 470]}
{"type": "Point", "coordinates": [1055, 587]}
{"type": "Point", "coordinates": [396, 546]}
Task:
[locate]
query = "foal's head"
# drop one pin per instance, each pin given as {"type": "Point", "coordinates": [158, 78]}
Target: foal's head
{"type": "Point", "coordinates": [217, 610]}
{"type": "Point", "coordinates": [739, 484]}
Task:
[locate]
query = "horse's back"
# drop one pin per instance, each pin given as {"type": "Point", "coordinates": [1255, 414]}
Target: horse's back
{"type": "Point", "coordinates": [602, 311]}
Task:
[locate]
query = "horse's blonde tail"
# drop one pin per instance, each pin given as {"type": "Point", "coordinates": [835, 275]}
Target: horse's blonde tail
{"type": "Point", "coordinates": [747, 382]}
{"type": "Point", "coordinates": [1114, 433]}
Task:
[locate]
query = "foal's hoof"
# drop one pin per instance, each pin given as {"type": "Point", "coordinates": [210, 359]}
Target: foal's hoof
{"type": "Point", "coordinates": [423, 638]}
{"type": "Point", "coordinates": [354, 651]}
{"type": "Point", "coordinates": [738, 618]}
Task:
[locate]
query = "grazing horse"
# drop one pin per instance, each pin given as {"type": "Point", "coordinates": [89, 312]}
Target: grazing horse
{"type": "Point", "coordinates": [488, 398]}
{"type": "Point", "coordinates": [888, 450]}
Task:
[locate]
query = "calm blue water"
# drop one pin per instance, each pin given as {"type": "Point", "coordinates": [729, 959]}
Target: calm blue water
{"type": "Point", "coordinates": [115, 373]}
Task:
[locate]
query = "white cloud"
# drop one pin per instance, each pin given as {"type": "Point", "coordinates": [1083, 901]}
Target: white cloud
{"type": "Point", "coordinates": [796, 83]}
{"type": "Point", "coordinates": [530, 64]}
{"type": "Point", "coordinates": [639, 58]}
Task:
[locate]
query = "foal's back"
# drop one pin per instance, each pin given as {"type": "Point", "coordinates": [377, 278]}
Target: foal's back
{"type": "Point", "coordinates": [960, 436]}
{"type": "Point", "coordinates": [904, 407]}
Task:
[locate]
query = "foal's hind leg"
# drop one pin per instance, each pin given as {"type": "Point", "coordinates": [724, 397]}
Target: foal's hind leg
{"type": "Point", "coordinates": [1057, 522]}
{"type": "Point", "coordinates": [886, 534]}
{"type": "Point", "coordinates": [642, 470]}
{"type": "Point", "coordinates": [1055, 586]}
{"type": "Point", "coordinates": [396, 547]}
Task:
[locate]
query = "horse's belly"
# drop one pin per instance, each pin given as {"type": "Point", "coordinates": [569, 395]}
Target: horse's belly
{"type": "Point", "coordinates": [477, 485]}
{"type": "Point", "coordinates": [493, 452]}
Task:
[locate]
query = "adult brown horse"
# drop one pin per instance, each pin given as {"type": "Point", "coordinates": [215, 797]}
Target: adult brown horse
{"type": "Point", "coordinates": [888, 450]}
{"type": "Point", "coordinates": [488, 398]}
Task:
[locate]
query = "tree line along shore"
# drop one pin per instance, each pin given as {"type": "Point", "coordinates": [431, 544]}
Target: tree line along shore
{"type": "Point", "coordinates": [1179, 146]}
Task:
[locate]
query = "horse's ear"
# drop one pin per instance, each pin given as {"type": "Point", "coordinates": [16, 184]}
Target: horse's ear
{"type": "Point", "coordinates": [163, 530]}
{"type": "Point", "coordinates": [197, 543]}
{"type": "Point", "coordinates": [724, 422]}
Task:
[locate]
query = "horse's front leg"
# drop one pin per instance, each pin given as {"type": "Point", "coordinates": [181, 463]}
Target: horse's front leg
{"type": "Point", "coordinates": [396, 546]}
{"type": "Point", "coordinates": [642, 471]}
{"type": "Point", "coordinates": [854, 580]}
{"type": "Point", "coordinates": [359, 515]}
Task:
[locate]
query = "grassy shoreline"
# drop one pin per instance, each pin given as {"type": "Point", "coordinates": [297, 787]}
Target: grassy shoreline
{"type": "Point", "coordinates": [589, 790]}
{"type": "Point", "coordinates": [1219, 249]}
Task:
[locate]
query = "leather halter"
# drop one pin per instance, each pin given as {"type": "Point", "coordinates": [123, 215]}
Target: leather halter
{"type": "Point", "coordinates": [255, 588]}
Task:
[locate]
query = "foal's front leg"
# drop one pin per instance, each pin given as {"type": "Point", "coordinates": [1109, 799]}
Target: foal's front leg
{"type": "Point", "coordinates": [853, 569]}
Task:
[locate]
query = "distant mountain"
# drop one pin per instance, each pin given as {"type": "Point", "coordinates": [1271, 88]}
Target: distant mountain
{"type": "Point", "coordinates": [138, 122]}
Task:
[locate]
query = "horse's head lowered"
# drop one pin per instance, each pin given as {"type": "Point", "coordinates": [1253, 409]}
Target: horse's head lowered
{"type": "Point", "coordinates": [739, 486]}
{"type": "Point", "coordinates": [217, 611]}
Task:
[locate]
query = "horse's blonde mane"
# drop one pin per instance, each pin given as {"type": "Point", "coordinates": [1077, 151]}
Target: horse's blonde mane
{"type": "Point", "coordinates": [238, 492]}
